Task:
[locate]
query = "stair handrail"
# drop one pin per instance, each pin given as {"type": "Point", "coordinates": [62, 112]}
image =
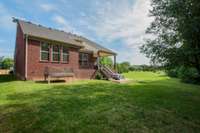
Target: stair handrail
{"type": "Point", "coordinates": [109, 70]}
{"type": "Point", "coordinates": [109, 73]}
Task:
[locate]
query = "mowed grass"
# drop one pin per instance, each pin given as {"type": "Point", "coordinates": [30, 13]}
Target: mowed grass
{"type": "Point", "coordinates": [152, 102]}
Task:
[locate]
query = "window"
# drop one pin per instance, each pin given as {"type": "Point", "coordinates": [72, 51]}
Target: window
{"type": "Point", "coordinates": [65, 55]}
{"type": "Point", "coordinates": [83, 59]}
{"type": "Point", "coordinates": [55, 53]}
{"type": "Point", "coordinates": [44, 51]}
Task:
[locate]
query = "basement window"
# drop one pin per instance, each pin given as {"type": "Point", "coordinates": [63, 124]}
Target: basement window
{"type": "Point", "coordinates": [55, 53]}
{"type": "Point", "coordinates": [44, 51]}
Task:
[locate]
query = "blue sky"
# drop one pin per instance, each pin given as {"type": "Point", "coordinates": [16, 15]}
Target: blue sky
{"type": "Point", "coordinates": [116, 24]}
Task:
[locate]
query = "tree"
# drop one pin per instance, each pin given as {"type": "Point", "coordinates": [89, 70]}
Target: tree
{"type": "Point", "coordinates": [1, 59]}
{"type": "Point", "coordinates": [106, 61]}
{"type": "Point", "coordinates": [123, 67]}
{"type": "Point", "coordinates": [176, 29]}
{"type": "Point", "coordinates": [7, 63]}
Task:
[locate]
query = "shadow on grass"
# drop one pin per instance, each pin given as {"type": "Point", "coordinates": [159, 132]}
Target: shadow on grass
{"type": "Point", "coordinates": [102, 107]}
{"type": "Point", "coordinates": [7, 78]}
{"type": "Point", "coordinates": [52, 81]}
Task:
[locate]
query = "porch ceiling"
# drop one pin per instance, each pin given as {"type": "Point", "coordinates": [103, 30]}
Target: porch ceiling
{"type": "Point", "coordinates": [105, 54]}
{"type": "Point", "coordinates": [97, 50]}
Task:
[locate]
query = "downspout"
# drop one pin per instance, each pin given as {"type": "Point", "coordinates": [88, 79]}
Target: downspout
{"type": "Point", "coordinates": [14, 68]}
{"type": "Point", "coordinates": [26, 56]}
{"type": "Point", "coordinates": [15, 52]}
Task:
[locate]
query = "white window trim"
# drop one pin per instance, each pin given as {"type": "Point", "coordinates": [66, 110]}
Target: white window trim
{"type": "Point", "coordinates": [42, 51]}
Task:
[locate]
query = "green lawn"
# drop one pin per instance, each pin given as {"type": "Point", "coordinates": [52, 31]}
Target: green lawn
{"type": "Point", "coordinates": [152, 102]}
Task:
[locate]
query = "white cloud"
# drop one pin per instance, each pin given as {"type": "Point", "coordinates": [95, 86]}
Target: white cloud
{"type": "Point", "coordinates": [62, 23]}
{"type": "Point", "coordinates": [59, 19]}
{"type": "Point", "coordinates": [48, 7]}
{"type": "Point", "coordinates": [125, 22]}
{"type": "Point", "coordinates": [110, 21]}
{"type": "Point", "coordinates": [65, 25]}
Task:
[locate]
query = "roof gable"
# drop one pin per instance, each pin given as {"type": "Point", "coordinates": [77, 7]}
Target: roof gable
{"type": "Point", "coordinates": [40, 31]}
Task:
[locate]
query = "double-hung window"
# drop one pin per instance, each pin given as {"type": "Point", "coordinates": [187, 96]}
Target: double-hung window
{"type": "Point", "coordinates": [84, 59]}
{"type": "Point", "coordinates": [55, 53]}
{"type": "Point", "coordinates": [65, 54]}
{"type": "Point", "coordinates": [44, 51]}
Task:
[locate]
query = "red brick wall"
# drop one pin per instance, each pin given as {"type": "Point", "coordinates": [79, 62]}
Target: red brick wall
{"type": "Point", "coordinates": [85, 73]}
{"type": "Point", "coordinates": [36, 67]}
{"type": "Point", "coordinates": [20, 54]}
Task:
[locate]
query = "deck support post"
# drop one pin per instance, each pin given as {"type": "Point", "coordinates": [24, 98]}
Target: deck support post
{"type": "Point", "coordinates": [98, 61]}
{"type": "Point", "coordinates": [115, 63]}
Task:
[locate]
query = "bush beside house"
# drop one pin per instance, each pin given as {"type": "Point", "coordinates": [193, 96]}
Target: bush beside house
{"type": "Point", "coordinates": [186, 74]}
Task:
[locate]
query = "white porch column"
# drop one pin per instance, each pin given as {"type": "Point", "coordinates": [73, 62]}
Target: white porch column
{"type": "Point", "coordinates": [115, 63]}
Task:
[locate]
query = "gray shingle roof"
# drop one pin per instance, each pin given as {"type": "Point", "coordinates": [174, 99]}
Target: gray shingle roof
{"type": "Point", "coordinates": [60, 36]}
{"type": "Point", "coordinates": [90, 45]}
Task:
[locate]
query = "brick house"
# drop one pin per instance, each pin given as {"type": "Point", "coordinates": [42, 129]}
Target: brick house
{"type": "Point", "coordinates": [38, 47]}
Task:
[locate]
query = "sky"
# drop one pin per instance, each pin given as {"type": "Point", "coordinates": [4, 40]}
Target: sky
{"type": "Point", "coordinates": [116, 24]}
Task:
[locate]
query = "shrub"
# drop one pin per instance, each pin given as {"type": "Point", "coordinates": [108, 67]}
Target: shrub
{"type": "Point", "coordinates": [123, 67]}
{"type": "Point", "coordinates": [132, 68]}
{"type": "Point", "coordinates": [152, 68]}
{"type": "Point", "coordinates": [186, 74]}
{"type": "Point", "coordinates": [11, 72]}
{"type": "Point", "coordinates": [189, 75]}
{"type": "Point", "coordinates": [173, 72]}
{"type": "Point", "coordinates": [99, 76]}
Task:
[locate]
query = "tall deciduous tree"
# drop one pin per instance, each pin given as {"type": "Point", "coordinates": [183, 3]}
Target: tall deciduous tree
{"type": "Point", "coordinates": [1, 59]}
{"type": "Point", "coordinates": [177, 33]}
{"type": "Point", "coordinates": [107, 61]}
{"type": "Point", "coordinates": [123, 67]}
{"type": "Point", "coordinates": [7, 63]}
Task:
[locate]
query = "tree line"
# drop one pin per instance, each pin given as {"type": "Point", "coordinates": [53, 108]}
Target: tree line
{"type": "Point", "coordinates": [126, 66]}
{"type": "Point", "coordinates": [175, 42]}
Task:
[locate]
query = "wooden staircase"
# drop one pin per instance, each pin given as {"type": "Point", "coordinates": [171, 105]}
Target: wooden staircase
{"type": "Point", "coordinates": [109, 74]}
{"type": "Point", "coordinates": [106, 72]}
